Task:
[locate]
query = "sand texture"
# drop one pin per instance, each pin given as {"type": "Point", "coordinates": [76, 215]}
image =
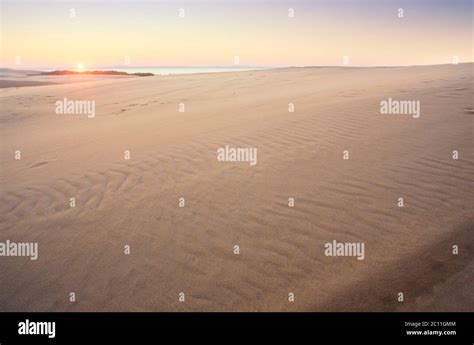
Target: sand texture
{"type": "Point", "coordinates": [190, 249]}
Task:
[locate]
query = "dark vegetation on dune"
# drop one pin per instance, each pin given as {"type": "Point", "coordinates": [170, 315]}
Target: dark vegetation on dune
{"type": "Point", "coordinates": [66, 72]}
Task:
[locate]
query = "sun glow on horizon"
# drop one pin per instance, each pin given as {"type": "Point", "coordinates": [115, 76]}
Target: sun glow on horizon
{"type": "Point", "coordinates": [211, 33]}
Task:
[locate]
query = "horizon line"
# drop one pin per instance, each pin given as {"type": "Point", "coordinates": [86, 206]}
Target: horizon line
{"type": "Point", "coordinates": [239, 66]}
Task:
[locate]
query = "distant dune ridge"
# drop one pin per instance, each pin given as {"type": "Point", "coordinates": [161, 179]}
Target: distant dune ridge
{"type": "Point", "coordinates": [173, 228]}
{"type": "Point", "coordinates": [20, 78]}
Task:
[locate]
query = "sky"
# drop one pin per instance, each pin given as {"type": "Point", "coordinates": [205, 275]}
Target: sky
{"type": "Point", "coordinates": [103, 33]}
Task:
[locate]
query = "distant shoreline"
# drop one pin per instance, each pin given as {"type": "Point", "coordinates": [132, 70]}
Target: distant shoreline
{"type": "Point", "coordinates": [16, 78]}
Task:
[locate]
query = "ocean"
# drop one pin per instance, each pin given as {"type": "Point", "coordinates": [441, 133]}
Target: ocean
{"type": "Point", "coordinates": [177, 70]}
{"type": "Point", "coordinates": [182, 70]}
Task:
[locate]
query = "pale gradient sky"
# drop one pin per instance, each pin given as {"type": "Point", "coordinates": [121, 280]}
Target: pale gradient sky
{"type": "Point", "coordinates": [213, 32]}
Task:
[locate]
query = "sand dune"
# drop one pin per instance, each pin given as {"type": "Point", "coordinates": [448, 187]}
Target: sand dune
{"type": "Point", "coordinates": [173, 154]}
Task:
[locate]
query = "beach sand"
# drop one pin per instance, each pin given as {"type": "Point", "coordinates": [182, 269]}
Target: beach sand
{"type": "Point", "coordinates": [190, 249]}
